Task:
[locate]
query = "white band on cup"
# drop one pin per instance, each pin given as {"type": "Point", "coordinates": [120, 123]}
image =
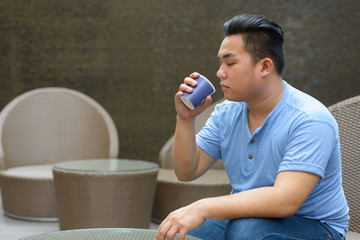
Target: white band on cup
{"type": "Point", "coordinates": [187, 103]}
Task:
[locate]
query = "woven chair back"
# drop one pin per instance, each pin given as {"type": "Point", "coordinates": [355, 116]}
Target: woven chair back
{"type": "Point", "coordinates": [347, 115]}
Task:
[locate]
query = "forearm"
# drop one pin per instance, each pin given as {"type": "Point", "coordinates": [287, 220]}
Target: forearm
{"type": "Point", "coordinates": [266, 202]}
{"type": "Point", "coordinates": [185, 149]}
{"type": "Point", "coordinates": [283, 199]}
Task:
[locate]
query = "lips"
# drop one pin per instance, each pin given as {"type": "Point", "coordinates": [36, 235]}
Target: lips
{"type": "Point", "coordinates": [224, 87]}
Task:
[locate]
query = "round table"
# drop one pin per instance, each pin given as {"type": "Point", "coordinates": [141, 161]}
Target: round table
{"type": "Point", "coordinates": [99, 233]}
{"type": "Point", "coordinates": [104, 193]}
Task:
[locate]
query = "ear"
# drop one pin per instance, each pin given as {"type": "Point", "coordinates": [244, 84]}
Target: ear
{"type": "Point", "coordinates": [266, 66]}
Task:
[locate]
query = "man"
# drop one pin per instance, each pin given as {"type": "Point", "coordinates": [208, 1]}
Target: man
{"type": "Point", "coordinates": [279, 146]}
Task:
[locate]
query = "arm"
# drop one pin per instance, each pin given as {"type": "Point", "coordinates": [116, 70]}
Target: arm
{"type": "Point", "coordinates": [190, 161]}
{"type": "Point", "coordinates": [283, 199]}
{"type": "Point", "coordinates": [289, 192]}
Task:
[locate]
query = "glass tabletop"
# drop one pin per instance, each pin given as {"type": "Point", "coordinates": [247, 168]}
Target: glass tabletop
{"type": "Point", "coordinates": [105, 165]}
{"type": "Point", "coordinates": [101, 233]}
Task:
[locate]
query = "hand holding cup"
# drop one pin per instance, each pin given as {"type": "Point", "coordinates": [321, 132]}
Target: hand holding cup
{"type": "Point", "coordinates": [199, 92]}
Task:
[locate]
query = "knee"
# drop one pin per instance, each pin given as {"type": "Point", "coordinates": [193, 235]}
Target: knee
{"type": "Point", "coordinates": [240, 229]}
{"type": "Point", "coordinates": [246, 228]}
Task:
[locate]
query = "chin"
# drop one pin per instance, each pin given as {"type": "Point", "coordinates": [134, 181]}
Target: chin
{"type": "Point", "coordinates": [233, 99]}
{"type": "Point", "coordinates": [230, 98]}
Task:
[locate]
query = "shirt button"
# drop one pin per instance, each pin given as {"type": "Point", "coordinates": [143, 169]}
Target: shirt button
{"type": "Point", "coordinates": [250, 156]}
{"type": "Point", "coordinates": [252, 141]}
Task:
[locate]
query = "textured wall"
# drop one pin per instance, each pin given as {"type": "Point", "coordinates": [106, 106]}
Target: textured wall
{"type": "Point", "coordinates": [132, 55]}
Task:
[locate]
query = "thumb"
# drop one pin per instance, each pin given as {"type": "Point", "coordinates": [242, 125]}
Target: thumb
{"type": "Point", "coordinates": [207, 102]}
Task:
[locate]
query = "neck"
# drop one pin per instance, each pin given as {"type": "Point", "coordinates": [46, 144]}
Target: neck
{"type": "Point", "coordinates": [261, 107]}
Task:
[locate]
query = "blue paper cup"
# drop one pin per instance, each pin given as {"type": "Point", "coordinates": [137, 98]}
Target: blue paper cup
{"type": "Point", "coordinates": [203, 89]}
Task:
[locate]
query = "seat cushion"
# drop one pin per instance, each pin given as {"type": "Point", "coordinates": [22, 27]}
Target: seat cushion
{"type": "Point", "coordinates": [172, 194]}
{"type": "Point", "coordinates": [352, 236]}
{"type": "Point", "coordinates": [28, 192]}
{"type": "Point", "coordinates": [32, 171]}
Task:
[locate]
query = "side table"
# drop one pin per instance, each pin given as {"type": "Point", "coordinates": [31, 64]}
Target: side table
{"type": "Point", "coordinates": [104, 193]}
{"type": "Point", "coordinates": [101, 233]}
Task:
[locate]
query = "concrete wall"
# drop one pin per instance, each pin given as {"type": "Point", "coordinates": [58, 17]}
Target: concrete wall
{"type": "Point", "coordinates": [131, 55]}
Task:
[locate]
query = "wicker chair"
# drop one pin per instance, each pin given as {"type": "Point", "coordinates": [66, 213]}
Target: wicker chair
{"type": "Point", "coordinates": [172, 194]}
{"type": "Point", "coordinates": [42, 127]}
{"type": "Point", "coordinates": [347, 115]}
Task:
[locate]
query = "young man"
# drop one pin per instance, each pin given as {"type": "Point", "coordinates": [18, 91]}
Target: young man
{"type": "Point", "coordinates": [280, 148]}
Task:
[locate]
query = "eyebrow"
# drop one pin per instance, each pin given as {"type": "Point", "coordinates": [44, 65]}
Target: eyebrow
{"type": "Point", "coordinates": [228, 55]}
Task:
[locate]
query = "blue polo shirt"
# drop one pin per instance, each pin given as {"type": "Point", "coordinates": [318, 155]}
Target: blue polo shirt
{"type": "Point", "coordinates": [299, 134]}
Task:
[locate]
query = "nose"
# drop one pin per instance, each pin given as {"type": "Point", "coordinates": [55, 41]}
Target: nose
{"type": "Point", "coordinates": [221, 73]}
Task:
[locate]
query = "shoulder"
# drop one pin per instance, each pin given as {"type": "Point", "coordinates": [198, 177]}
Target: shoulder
{"type": "Point", "coordinates": [307, 106]}
{"type": "Point", "coordinates": [305, 109]}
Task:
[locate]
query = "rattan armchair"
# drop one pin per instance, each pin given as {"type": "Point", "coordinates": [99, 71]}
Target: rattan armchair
{"type": "Point", "coordinates": [39, 128]}
{"type": "Point", "coordinates": [172, 194]}
{"type": "Point", "coordinates": [347, 115]}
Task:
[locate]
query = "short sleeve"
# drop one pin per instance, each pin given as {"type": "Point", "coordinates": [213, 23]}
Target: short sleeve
{"type": "Point", "coordinates": [208, 139]}
{"type": "Point", "coordinates": [310, 147]}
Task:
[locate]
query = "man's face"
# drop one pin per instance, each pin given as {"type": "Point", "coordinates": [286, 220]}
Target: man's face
{"type": "Point", "coordinates": [237, 70]}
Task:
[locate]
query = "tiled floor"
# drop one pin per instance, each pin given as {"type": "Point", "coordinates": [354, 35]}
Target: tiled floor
{"type": "Point", "coordinates": [11, 229]}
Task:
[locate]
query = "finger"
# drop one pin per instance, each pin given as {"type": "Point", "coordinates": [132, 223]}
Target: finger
{"type": "Point", "coordinates": [178, 95]}
{"type": "Point", "coordinates": [162, 230]}
{"type": "Point", "coordinates": [194, 75]}
{"type": "Point", "coordinates": [190, 81]}
{"type": "Point", "coordinates": [163, 223]}
{"type": "Point", "coordinates": [182, 235]}
{"type": "Point", "coordinates": [207, 102]}
{"type": "Point", "coordinates": [185, 88]}
{"type": "Point", "coordinates": [167, 231]}
{"type": "Point", "coordinates": [172, 233]}
{"type": "Point", "coordinates": [161, 233]}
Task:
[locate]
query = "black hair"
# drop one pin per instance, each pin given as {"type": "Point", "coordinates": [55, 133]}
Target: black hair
{"type": "Point", "coordinates": [262, 38]}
